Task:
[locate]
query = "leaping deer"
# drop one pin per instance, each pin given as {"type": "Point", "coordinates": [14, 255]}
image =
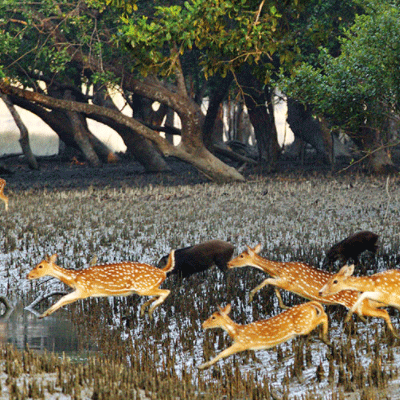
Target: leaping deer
{"type": "Point", "coordinates": [306, 281]}
{"type": "Point", "coordinates": [120, 279]}
{"type": "Point", "coordinates": [2, 195]}
{"type": "Point", "coordinates": [383, 287]}
{"type": "Point", "coordinates": [296, 321]}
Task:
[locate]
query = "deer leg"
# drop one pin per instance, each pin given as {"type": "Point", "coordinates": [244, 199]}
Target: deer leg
{"type": "Point", "coordinates": [280, 301]}
{"type": "Point", "coordinates": [235, 348]}
{"type": "Point", "coordinates": [163, 294]}
{"type": "Point", "coordinates": [69, 298]}
{"type": "Point", "coordinates": [324, 331]}
{"type": "Point", "coordinates": [257, 288]}
{"type": "Point", "coordinates": [384, 315]}
{"type": "Point", "coordinates": [267, 281]}
{"type": "Point", "coordinates": [357, 306]}
{"type": "Point", "coordinates": [145, 305]}
{"type": "Point", "coordinates": [374, 311]}
{"type": "Point", "coordinates": [160, 300]}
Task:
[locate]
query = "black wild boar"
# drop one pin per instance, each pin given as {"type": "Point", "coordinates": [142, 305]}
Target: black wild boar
{"type": "Point", "coordinates": [200, 257]}
{"type": "Point", "coordinates": [352, 247]}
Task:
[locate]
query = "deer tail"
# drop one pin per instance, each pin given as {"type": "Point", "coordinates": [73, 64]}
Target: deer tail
{"type": "Point", "coordinates": [170, 263]}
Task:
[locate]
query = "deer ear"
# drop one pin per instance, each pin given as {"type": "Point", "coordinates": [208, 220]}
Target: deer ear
{"type": "Point", "coordinates": [257, 249]}
{"type": "Point", "coordinates": [47, 258]}
{"type": "Point", "coordinates": [346, 270]}
{"type": "Point", "coordinates": [52, 259]}
{"type": "Point", "coordinates": [250, 251]}
{"type": "Point", "coordinates": [226, 310]}
{"type": "Point", "coordinates": [349, 270]}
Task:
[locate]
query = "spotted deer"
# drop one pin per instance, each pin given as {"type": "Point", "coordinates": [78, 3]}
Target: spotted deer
{"type": "Point", "coordinates": [264, 334]}
{"type": "Point", "coordinates": [383, 287]}
{"type": "Point", "coordinates": [305, 281]}
{"type": "Point", "coordinates": [2, 195]}
{"type": "Point", "coordinates": [120, 279]}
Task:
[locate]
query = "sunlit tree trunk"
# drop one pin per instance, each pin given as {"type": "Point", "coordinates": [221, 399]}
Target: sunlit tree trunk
{"type": "Point", "coordinates": [24, 135]}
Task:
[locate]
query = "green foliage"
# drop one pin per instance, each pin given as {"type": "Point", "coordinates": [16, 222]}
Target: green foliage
{"type": "Point", "coordinates": [219, 36]}
{"type": "Point", "coordinates": [127, 6]}
{"type": "Point", "coordinates": [362, 84]}
{"type": "Point", "coordinates": [229, 34]}
{"type": "Point", "coordinates": [43, 38]}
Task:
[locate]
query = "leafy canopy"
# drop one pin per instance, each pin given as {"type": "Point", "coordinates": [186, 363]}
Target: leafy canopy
{"type": "Point", "coordinates": [41, 39]}
{"type": "Point", "coordinates": [227, 33]}
{"type": "Point", "coordinates": [362, 84]}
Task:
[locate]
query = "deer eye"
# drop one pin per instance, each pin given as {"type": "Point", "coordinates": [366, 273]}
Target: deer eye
{"type": "Point", "coordinates": [335, 281]}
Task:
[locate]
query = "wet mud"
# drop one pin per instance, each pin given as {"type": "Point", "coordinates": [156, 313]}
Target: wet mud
{"type": "Point", "coordinates": [122, 214]}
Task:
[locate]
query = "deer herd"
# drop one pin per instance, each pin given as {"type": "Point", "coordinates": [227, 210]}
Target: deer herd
{"type": "Point", "coordinates": [367, 296]}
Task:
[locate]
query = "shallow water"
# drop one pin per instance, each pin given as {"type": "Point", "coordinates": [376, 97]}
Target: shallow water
{"type": "Point", "coordinates": [25, 330]}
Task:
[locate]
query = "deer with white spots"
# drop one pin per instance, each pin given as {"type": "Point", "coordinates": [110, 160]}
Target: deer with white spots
{"type": "Point", "coordinates": [306, 281]}
{"type": "Point", "coordinates": [120, 279]}
{"type": "Point", "coordinates": [2, 195]}
{"type": "Point", "coordinates": [383, 287]}
{"type": "Point", "coordinates": [264, 334]}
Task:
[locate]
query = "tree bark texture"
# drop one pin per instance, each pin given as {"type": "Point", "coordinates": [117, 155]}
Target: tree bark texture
{"type": "Point", "coordinates": [191, 149]}
{"type": "Point", "coordinates": [24, 135]}
{"type": "Point", "coordinates": [260, 108]}
{"type": "Point", "coordinates": [61, 125]}
{"type": "Point", "coordinates": [307, 128]}
{"type": "Point", "coordinates": [138, 146]}
{"type": "Point", "coordinates": [220, 87]}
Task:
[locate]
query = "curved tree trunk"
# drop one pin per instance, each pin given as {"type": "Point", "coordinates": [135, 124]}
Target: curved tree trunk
{"type": "Point", "coordinates": [137, 145]}
{"type": "Point", "coordinates": [80, 134]}
{"type": "Point", "coordinates": [24, 139]}
{"type": "Point", "coordinates": [261, 113]}
{"type": "Point", "coordinates": [308, 129]}
{"type": "Point", "coordinates": [191, 148]}
{"type": "Point", "coordinates": [61, 125]}
{"type": "Point", "coordinates": [219, 89]}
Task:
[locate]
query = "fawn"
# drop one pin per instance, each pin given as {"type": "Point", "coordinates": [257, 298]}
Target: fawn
{"type": "Point", "coordinates": [383, 287]}
{"type": "Point", "coordinates": [2, 195]}
{"type": "Point", "coordinates": [296, 321]}
{"type": "Point", "coordinates": [120, 279]}
{"type": "Point", "coordinates": [305, 281]}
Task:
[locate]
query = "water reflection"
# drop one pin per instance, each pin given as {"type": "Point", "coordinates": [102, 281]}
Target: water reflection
{"type": "Point", "coordinates": [24, 329]}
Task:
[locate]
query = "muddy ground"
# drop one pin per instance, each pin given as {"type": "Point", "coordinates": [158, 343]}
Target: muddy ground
{"type": "Point", "coordinates": [120, 213]}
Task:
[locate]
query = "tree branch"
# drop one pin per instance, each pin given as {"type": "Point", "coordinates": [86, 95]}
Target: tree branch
{"type": "Point", "coordinates": [90, 109]}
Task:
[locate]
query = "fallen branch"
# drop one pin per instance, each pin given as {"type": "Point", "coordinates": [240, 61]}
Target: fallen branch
{"type": "Point", "coordinates": [386, 146]}
{"type": "Point", "coordinates": [233, 155]}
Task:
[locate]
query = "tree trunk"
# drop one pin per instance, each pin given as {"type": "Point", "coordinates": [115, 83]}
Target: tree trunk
{"type": "Point", "coordinates": [61, 125]}
{"type": "Point", "coordinates": [80, 135]}
{"type": "Point", "coordinates": [379, 158]}
{"type": "Point", "coordinates": [24, 139]}
{"type": "Point", "coordinates": [260, 109]}
{"type": "Point", "coordinates": [327, 139]}
{"type": "Point", "coordinates": [169, 121]}
{"type": "Point", "coordinates": [151, 88]}
{"type": "Point", "coordinates": [307, 128]}
{"type": "Point", "coordinates": [189, 150]}
{"type": "Point", "coordinates": [220, 87]}
{"type": "Point", "coordinates": [142, 149]}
